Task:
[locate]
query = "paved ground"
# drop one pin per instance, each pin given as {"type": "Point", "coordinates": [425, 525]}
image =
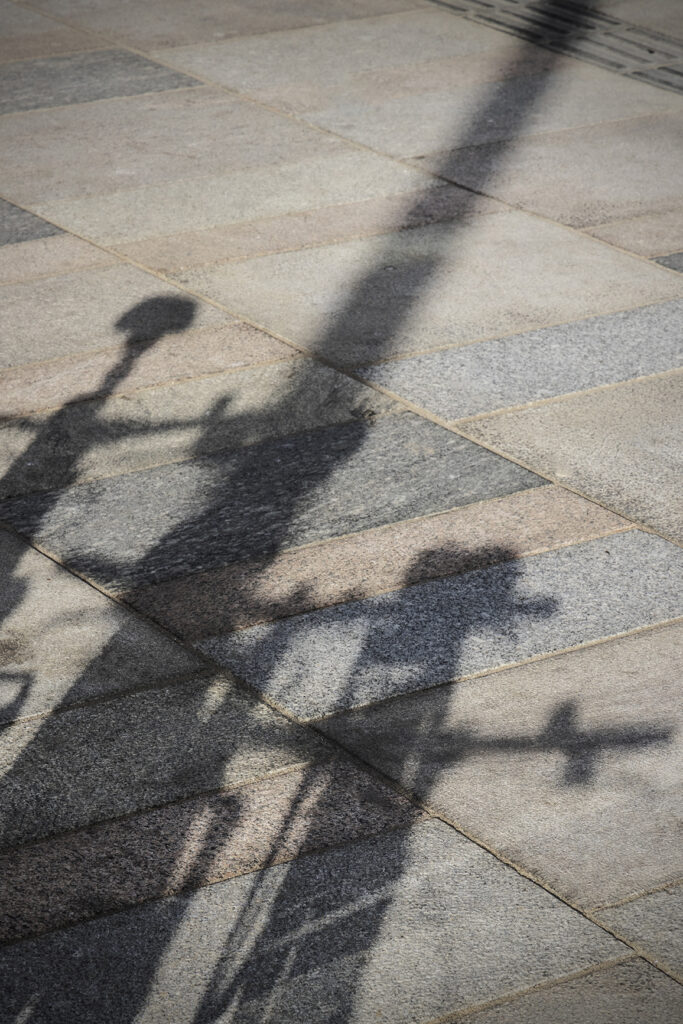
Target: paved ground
{"type": "Point", "coordinates": [340, 456]}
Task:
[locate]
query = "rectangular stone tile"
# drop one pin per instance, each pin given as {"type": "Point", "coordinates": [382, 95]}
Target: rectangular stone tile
{"type": "Point", "coordinates": [91, 309]}
{"type": "Point", "coordinates": [629, 993]}
{"type": "Point", "coordinates": [447, 629]}
{"type": "Point", "coordinates": [186, 845]}
{"type": "Point", "coordinates": [653, 923]}
{"type": "Point", "coordinates": [147, 140]}
{"type": "Point", "coordinates": [83, 77]}
{"type": "Point", "coordinates": [17, 225]}
{"type": "Point", "coordinates": [542, 364]}
{"type": "Point", "coordinates": [26, 33]}
{"type": "Point", "coordinates": [568, 766]}
{"type": "Point", "coordinates": [445, 284]}
{"type": "Point", "coordinates": [173, 22]}
{"type": "Point", "coordinates": [64, 642]}
{"type": "Point", "coordinates": [649, 235]}
{"type": "Point", "coordinates": [620, 446]}
{"type": "Point", "coordinates": [319, 226]}
{"type": "Point", "coordinates": [364, 564]}
{"type": "Point", "coordinates": [405, 927]}
{"type": "Point", "coordinates": [157, 426]}
{"type": "Point", "coordinates": [192, 516]}
{"type": "Point", "coordinates": [585, 176]}
{"type": "Point", "coordinates": [43, 257]}
{"type": "Point", "coordinates": [133, 752]}
{"type": "Point", "coordinates": [336, 175]}
{"type": "Point", "coordinates": [231, 346]}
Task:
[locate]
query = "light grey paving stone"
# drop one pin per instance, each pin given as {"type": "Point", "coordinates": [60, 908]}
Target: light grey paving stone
{"type": "Point", "coordinates": [172, 22]}
{"type": "Point", "coordinates": [583, 176]}
{"type": "Point", "coordinates": [27, 33]}
{"type": "Point", "coordinates": [568, 766]}
{"type": "Point", "coordinates": [621, 446]}
{"type": "Point", "coordinates": [54, 254]}
{"type": "Point", "coordinates": [82, 77]}
{"type": "Point", "coordinates": [133, 752]}
{"type": "Point", "coordinates": [63, 642]}
{"type": "Point", "coordinates": [151, 139]}
{"type": "Point", "coordinates": [88, 310]}
{"type": "Point", "coordinates": [338, 174]}
{"type": "Point", "coordinates": [409, 639]}
{"type": "Point", "coordinates": [674, 261]}
{"type": "Point", "coordinates": [653, 923]}
{"type": "Point", "coordinates": [204, 513]}
{"type": "Point", "coordinates": [367, 300]}
{"type": "Point", "coordinates": [17, 225]}
{"type": "Point", "coordinates": [201, 841]}
{"type": "Point", "coordinates": [649, 235]}
{"type": "Point", "coordinates": [542, 364]}
{"type": "Point", "coordinates": [156, 426]}
{"type": "Point", "coordinates": [406, 927]}
{"type": "Point", "coordinates": [629, 993]}
{"type": "Point", "coordinates": [658, 15]}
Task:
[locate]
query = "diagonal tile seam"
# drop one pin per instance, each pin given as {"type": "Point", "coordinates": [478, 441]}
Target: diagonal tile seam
{"type": "Point", "coordinates": [63, 53]}
{"type": "Point", "coordinates": [664, 887]}
{"type": "Point", "coordinates": [101, 99]}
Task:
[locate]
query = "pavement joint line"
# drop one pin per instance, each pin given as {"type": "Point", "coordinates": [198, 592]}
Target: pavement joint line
{"type": "Point", "coordinates": [52, 56]}
{"type": "Point", "coordinates": [512, 997]}
{"type": "Point", "coordinates": [541, 986]}
{"type": "Point", "coordinates": [101, 99]}
{"type": "Point", "coordinates": [485, 673]}
{"type": "Point", "coordinates": [664, 887]}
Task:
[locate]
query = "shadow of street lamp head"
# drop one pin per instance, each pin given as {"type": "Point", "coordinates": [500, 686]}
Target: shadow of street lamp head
{"type": "Point", "coordinates": [151, 319]}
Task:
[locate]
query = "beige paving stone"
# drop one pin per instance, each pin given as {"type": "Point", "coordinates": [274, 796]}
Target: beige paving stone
{"type": "Point", "coordinates": [620, 446]}
{"type": "Point", "coordinates": [63, 642]}
{"type": "Point", "coordinates": [653, 234]}
{"type": "Point", "coordinates": [55, 382]}
{"type": "Point", "coordinates": [338, 174]}
{"type": "Point", "coordinates": [158, 138]}
{"type": "Point", "coordinates": [314, 227]}
{"type": "Point", "coordinates": [172, 22]}
{"type": "Point", "coordinates": [368, 563]}
{"type": "Point", "coordinates": [26, 33]}
{"type": "Point", "coordinates": [569, 766]}
{"type": "Point", "coordinates": [629, 993]}
{"type": "Point", "coordinates": [43, 257]}
{"type": "Point", "coordinates": [653, 923]}
{"type": "Point", "coordinates": [156, 426]}
{"type": "Point", "coordinates": [361, 301]}
{"type": "Point", "coordinates": [79, 312]}
{"type": "Point", "coordinates": [193, 843]}
{"type": "Point", "coordinates": [585, 176]}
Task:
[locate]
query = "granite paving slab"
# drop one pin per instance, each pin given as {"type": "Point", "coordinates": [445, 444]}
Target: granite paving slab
{"type": "Point", "coordinates": [17, 225]}
{"type": "Point", "coordinates": [653, 923]}
{"type": "Point", "coordinates": [339, 222]}
{"type": "Point", "coordinates": [155, 426]}
{"type": "Point", "coordinates": [88, 310]}
{"type": "Point", "coordinates": [649, 235]}
{"type": "Point", "coordinates": [568, 766]}
{"type": "Point", "coordinates": [659, 15]}
{"type": "Point", "coordinates": [175, 357]}
{"type": "Point", "coordinates": [172, 22]}
{"type": "Point", "coordinates": [583, 176]}
{"type": "Point", "coordinates": [620, 446]}
{"type": "Point", "coordinates": [43, 257]}
{"type": "Point", "coordinates": [64, 642]}
{"type": "Point", "coordinates": [366, 300]}
{"type": "Point", "coordinates": [351, 568]}
{"type": "Point", "coordinates": [674, 261]}
{"type": "Point", "coordinates": [162, 523]}
{"type": "Point", "coordinates": [130, 753]}
{"type": "Point", "coordinates": [411, 926]}
{"type": "Point", "coordinates": [27, 33]}
{"type": "Point", "coordinates": [149, 139]}
{"type": "Point", "coordinates": [186, 845]}
{"type": "Point", "coordinates": [411, 639]}
{"type": "Point", "coordinates": [628, 993]}
{"type": "Point", "coordinates": [83, 77]}
{"type": "Point", "coordinates": [542, 364]}
{"type": "Point", "coordinates": [338, 174]}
